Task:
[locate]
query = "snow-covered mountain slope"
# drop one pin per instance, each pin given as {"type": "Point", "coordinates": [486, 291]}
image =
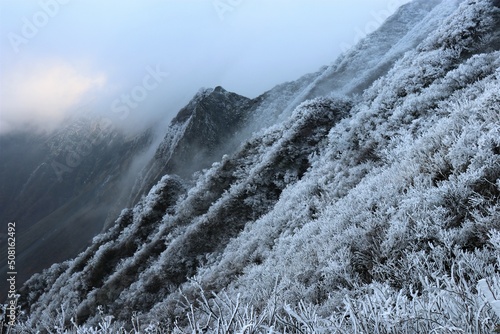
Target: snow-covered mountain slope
{"type": "Point", "coordinates": [68, 185]}
{"type": "Point", "coordinates": [376, 213]}
{"type": "Point", "coordinates": [372, 57]}
{"type": "Point", "coordinates": [350, 74]}
{"type": "Point", "coordinates": [356, 70]}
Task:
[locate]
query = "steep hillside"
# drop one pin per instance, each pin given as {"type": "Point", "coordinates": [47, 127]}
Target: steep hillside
{"type": "Point", "coordinates": [199, 135]}
{"type": "Point", "coordinates": [357, 213]}
{"type": "Point", "coordinates": [67, 186]}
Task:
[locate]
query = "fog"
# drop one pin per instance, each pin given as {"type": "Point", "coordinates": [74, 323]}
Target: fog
{"type": "Point", "coordinates": [138, 62]}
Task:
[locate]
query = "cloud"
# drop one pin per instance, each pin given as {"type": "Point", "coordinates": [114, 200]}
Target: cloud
{"type": "Point", "coordinates": [43, 94]}
{"type": "Point", "coordinates": [256, 45]}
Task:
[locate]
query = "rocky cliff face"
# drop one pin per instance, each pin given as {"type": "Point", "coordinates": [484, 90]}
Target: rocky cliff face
{"type": "Point", "coordinates": [198, 136]}
{"type": "Point", "coordinates": [376, 212]}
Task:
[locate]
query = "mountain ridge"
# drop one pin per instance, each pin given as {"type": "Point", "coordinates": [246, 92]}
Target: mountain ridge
{"type": "Point", "coordinates": [376, 212]}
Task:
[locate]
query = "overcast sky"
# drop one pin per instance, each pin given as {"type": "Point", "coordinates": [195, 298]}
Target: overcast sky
{"type": "Point", "coordinates": [142, 59]}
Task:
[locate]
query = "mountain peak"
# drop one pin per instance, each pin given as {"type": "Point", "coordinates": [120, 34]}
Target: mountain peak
{"type": "Point", "coordinates": [198, 136]}
{"type": "Point", "coordinates": [219, 89]}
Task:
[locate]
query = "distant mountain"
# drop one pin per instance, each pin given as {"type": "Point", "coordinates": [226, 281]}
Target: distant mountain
{"type": "Point", "coordinates": [57, 188]}
{"type": "Point", "coordinates": [364, 198]}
